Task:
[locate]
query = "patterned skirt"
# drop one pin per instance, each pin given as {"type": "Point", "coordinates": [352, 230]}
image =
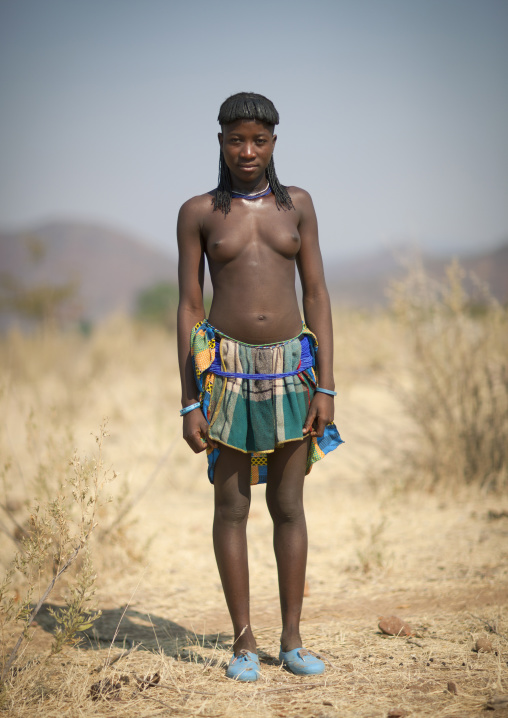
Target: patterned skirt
{"type": "Point", "coordinates": [256, 397]}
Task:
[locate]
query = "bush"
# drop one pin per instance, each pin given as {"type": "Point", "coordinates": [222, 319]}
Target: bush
{"type": "Point", "coordinates": [457, 391]}
{"type": "Point", "coordinates": [158, 304]}
{"type": "Point", "coordinates": [54, 538]}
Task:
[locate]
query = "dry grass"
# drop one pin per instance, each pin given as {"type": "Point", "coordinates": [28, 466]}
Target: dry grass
{"type": "Point", "coordinates": [458, 391]}
{"type": "Point", "coordinates": [438, 560]}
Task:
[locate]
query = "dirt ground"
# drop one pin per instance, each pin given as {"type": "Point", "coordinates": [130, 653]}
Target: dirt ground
{"type": "Point", "coordinates": [439, 561]}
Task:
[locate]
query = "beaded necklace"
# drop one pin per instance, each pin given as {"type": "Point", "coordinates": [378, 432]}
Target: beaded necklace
{"type": "Point", "coordinates": [253, 195]}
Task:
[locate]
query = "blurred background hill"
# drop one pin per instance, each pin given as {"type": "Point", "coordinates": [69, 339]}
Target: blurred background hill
{"type": "Point", "coordinates": [363, 282]}
{"type": "Point", "coordinates": [102, 269]}
{"type": "Point", "coordinates": [83, 272]}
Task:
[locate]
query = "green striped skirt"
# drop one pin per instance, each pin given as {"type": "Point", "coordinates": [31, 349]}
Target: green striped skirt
{"type": "Point", "coordinates": [257, 415]}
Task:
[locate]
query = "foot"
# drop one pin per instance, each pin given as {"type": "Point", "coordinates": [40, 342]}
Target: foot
{"type": "Point", "coordinates": [301, 662]}
{"type": "Point", "coordinates": [244, 666]}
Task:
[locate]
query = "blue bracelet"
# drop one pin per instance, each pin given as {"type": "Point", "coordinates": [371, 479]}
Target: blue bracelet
{"type": "Point", "coordinates": [326, 391]}
{"type": "Point", "coordinates": [186, 409]}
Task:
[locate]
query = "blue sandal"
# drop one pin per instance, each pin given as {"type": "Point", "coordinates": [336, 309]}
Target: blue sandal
{"type": "Point", "coordinates": [301, 662]}
{"type": "Point", "coordinates": [244, 666]}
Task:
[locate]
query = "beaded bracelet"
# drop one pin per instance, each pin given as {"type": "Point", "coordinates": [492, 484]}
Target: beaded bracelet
{"type": "Point", "coordinates": [326, 391]}
{"type": "Point", "coordinates": [186, 409]}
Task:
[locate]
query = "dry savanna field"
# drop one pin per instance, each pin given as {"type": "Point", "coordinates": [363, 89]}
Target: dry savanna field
{"type": "Point", "coordinates": [408, 518]}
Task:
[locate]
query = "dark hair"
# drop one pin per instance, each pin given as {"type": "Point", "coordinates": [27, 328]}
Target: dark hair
{"type": "Point", "coordinates": [248, 106]}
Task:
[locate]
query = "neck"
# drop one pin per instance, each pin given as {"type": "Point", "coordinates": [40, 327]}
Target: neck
{"type": "Point", "coordinates": [251, 187]}
{"type": "Point", "coordinates": [256, 185]}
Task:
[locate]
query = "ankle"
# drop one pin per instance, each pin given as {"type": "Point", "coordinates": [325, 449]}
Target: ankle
{"type": "Point", "coordinates": [290, 641]}
{"type": "Point", "coordinates": [245, 641]}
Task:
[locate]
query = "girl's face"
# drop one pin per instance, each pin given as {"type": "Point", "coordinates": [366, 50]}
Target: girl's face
{"type": "Point", "coordinates": [247, 146]}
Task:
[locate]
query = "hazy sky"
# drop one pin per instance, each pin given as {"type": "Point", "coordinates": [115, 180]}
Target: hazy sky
{"type": "Point", "coordinates": [394, 113]}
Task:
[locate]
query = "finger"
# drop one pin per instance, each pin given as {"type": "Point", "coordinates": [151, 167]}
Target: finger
{"type": "Point", "coordinates": [309, 421]}
{"type": "Point", "coordinates": [205, 437]}
{"type": "Point", "coordinates": [197, 443]}
{"type": "Point", "coordinates": [209, 442]}
{"type": "Point", "coordinates": [197, 449]}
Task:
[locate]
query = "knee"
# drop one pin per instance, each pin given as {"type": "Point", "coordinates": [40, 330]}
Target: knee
{"type": "Point", "coordinates": [286, 509]}
{"type": "Point", "coordinates": [234, 513]}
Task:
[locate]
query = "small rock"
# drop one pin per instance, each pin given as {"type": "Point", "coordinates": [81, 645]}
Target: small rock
{"type": "Point", "coordinates": [394, 626]}
{"type": "Point", "coordinates": [396, 713]}
{"type": "Point", "coordinates": [483, 645]}
{"type": "Point", "coordinates": [497, 702]}
{"type": "Point", "coordinates": [327, 703]}
{"type": "Point", "coordinates": [452, 688]}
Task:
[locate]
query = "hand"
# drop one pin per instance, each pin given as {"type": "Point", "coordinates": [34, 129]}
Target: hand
{"type": "Point", "coordinates": [321, 411]}
{"type": "Point", "coordinates": [195, 431]}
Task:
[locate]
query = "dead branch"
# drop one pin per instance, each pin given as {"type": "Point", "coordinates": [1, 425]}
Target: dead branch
{"type": "Point", "coordinates": [489, 626]}
{"type": "Point", "coordinates": [123, 654]}
{"type": "Point", "coordinates": [36, 610]}
{"type": "Point", "coordinates": [414, 643]}
{"type": "Point", "coordinates": [306, 687]}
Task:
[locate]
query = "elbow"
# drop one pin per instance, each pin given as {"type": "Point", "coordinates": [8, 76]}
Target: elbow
{"type": "Point", "coordinates": [316, 296]}
{"type": "Point", "coordinates": [191, 307]}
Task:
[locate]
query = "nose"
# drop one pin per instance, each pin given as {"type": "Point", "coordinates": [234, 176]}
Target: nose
{"type": "Point", "coordinates": [248, 151]}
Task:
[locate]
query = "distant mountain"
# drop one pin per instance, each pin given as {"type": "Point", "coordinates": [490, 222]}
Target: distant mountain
{"type": "Point", "coordinates": [363, 282]}
{"type": "Point", "coordinates": [109, 267]}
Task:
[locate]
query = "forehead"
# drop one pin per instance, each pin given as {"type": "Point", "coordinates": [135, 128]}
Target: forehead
{"type": "Point", "coordinates": [247, 127]}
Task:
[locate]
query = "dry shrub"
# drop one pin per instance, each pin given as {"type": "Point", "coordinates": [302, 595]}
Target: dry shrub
{"type": "Point", "coordinates": [53, 384]}
{"type": "Point", "coordinates": [51, 543]}
{"type": "Point", "coordinates": [456, 396]}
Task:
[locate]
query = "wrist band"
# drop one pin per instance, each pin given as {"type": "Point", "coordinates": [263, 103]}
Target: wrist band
{"type": "Point", "coordinates": [326, 391]}
{"type": "Point", "coordinates": [186, 409]}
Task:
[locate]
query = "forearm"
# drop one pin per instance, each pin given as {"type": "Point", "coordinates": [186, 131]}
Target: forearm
{"type": "Point", "coordinates": [187, 318]}
{"type": "Point", "coordinates": [318, 317]}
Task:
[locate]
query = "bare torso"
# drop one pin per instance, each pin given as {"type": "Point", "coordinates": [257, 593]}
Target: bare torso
{"type": "Point", "coordinates": [251, 256]}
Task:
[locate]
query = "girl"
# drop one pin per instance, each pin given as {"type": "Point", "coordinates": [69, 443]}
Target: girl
{"type": "Point", "coordinates": [250, 390]}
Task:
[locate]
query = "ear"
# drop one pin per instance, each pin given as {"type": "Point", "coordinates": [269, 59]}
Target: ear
{"type": "Point", "coordinates": [221, 139]}
{"type": "Point", "coordinates": [274, 140]}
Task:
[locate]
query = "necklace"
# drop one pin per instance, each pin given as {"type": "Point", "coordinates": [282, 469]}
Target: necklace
{"type": "Point", "coordinates": [252, 195]}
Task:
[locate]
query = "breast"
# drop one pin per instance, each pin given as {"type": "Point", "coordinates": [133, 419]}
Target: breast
{"type": "Point", "coordinates": [287, 244]}
{"type": "Point", "coordinates": [225, 249]}
{"type": "Point", "coordinates": [249, 245]}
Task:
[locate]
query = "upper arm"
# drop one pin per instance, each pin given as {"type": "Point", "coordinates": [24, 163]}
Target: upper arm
{"type": "Point", "coordinates": [308, 259]}
{"type": "Point", "coordinates": [191, 261]}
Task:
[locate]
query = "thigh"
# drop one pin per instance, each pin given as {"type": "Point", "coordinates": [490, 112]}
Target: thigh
{"type": "Point", "coordinates": [232, 477]}
{"type": "Point", "coordinates": [286, 476]}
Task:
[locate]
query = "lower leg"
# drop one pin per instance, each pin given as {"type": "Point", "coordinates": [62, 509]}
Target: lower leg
{"type": "Point", "coordinates": [285, 501]}
{"type": "Point", "coordinates": [232, 501]}
{"type": "Point", "coordinates": [290, 544]}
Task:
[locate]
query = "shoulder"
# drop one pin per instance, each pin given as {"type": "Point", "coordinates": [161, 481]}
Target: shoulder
{"type": "Point", "coordinates": [299, 196]}
{"type": "Point", "coordinates": [298, 192]}
{"type": "Point", "coordinates": [196, 208]}
{"type": "Point", "coordinates": [302, 200]}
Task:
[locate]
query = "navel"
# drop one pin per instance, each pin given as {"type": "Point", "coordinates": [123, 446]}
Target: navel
{"type": "Point", "coordinates": [261, 317]}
